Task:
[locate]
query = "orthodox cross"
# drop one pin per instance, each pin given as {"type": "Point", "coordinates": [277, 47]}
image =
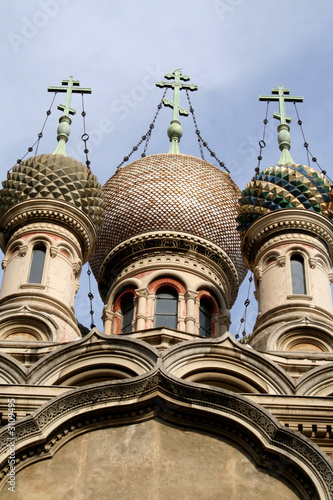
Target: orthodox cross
{"type": "Point", "coordinates": [175, 130]}
{"type": "Point", "coordinates": [282, 95]}
{"type": "Point", "coordinates": [69, 87]}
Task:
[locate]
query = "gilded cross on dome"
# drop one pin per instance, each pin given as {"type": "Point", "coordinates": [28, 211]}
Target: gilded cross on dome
{"type": "Point", "coordinates": [282, 95]}
{"type": "Point", "coordinates": [68, 86]}
{"type": "Point", "coordinates": [175, 130]}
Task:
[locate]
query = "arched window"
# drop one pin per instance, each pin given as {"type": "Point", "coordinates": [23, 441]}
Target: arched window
{"type": "Point", "coordinates": [166, 309]}
{"type": "Point", "coordinates": [297, 274]}
{"type": "Point", "coordinates": [205, 318]}
{"type": "Point", "coordinates": [127, 309]}
{"type": "Point", "coordinates": [37, 263]}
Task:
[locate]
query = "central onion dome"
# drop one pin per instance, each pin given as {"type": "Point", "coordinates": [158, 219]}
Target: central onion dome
{"type": "Point", "coordinates": [170, 192]}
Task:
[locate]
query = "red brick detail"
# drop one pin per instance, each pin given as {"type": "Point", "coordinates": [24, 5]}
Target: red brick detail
{"type": "Point", "coordinates": [215, 309]}
{"type": "Point", "coordinates": [155, 285]}
{"type": "Point", "coordinates": [117, 307]}
{"type": "Point", "coordinates": [209, 296]}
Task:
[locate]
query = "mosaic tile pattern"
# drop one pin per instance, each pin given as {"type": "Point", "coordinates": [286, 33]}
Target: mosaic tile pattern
{"type": "Point", "coordinates": [170, 192]}
{"type": "Point", "coordinates": [285, 186]}
{"type": "Point", "coordinates": [54, 177]}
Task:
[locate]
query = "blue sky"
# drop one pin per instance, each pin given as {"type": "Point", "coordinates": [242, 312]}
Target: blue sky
{"type": "Point", "coordinates": [233, 50]}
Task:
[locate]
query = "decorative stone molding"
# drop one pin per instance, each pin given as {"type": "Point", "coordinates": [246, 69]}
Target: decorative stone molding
{"type": "Point", "coordinates": [258, 273]}
{"type": "Point", "coordinates": [41, 211]}
{"type": "Point", "coordinates": [281, 260]}
{"type": "Point", "coordinates": [312, 262]}
{"type": "Point", "coordinates": [179, 249]}
{"type": "Point", "coordinates": [159, 394]}
{"type": "Point", "coordinates": [54, 251]}
{"type": "Point", "coordinates": [23, 250]}
{"type": "Point", "coordinates": [77, 266]}
{"type": "Point", "coordinates": [280, 224]}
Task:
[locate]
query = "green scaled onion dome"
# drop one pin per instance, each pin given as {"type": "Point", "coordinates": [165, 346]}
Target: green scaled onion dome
{"type": "Point", "coordinates": [285, 186]}
{"type": "Point", "coordinates": [54, 177]}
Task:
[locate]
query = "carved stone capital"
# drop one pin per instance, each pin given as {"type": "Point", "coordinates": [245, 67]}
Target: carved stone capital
{"type": "Point", "coordinates": [142, 292]}
{"type": "Point", "coordinates": [191, 294]}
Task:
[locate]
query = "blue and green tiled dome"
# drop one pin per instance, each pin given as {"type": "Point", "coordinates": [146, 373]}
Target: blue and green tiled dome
{"type": "Point", "coordinates": [285, 186]}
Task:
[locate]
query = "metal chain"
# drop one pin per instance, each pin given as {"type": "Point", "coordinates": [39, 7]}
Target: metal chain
{"type": "Point", "coordinates": [40, 135]}
{"type": "Point", "coordinates": [145, 137]}
{"type": "Point", "coordinates": [262, 143]}
{"type": "Point", "coordinates": [91, 297]}
{"type": "Point", "coordinates": [195, 124]}
{"type": "Point", "coordinates": [85, 136]}
{"type": "Point", "coordinates": [306, 145]}
{"type": "Point", "coordinates": [200, 139]}
{"type": "Point", "coordinates": [246, 304]}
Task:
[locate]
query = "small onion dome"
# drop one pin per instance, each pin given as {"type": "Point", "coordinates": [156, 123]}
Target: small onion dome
{"type": "Point", "coordinates": [54, 177]}
{"type": "Point", "coordinates": [285, 186]}
{"type": "Point", "coordinates": [170, 192]}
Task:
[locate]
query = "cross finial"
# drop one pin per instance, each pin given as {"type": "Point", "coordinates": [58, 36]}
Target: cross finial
{"type": "Point", "coordinates": [282, 95]}
{"type": "Point", "coordinates": [175, 130]}
{"type": "Point", "coordinates": [69, 86]}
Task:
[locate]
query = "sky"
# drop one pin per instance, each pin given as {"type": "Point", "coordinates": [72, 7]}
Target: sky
{"type": "Point", "coordinates": [234, 50]}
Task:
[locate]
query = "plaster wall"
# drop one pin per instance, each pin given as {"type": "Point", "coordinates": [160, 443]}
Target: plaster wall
{"type": "Point", "coordinates": [146, 461]}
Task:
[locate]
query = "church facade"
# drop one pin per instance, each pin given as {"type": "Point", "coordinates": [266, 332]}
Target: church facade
{"type": "Point", "coordinates": [165, 402]}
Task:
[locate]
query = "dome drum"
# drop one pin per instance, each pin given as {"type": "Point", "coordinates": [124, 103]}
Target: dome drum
{"type": "Point", "coordinates": [172, 250]}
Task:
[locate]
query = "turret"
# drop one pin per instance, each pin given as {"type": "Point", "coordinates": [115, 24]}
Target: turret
{"type": "Point", "coordinates": [51, 207]}
{"type": "Point", "coordinates": [286, 222]}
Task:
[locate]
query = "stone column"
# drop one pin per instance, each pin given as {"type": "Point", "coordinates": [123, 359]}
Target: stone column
{"type": "Point", "coordinates": [141, 315]}
{"type": "Point", "coordinates": [190, 297]}
{"type": "Point", "coordinates": [107, 318]}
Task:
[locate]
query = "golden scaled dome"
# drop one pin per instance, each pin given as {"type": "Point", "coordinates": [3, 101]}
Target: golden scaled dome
{"type": "Point", "coordinates": [170, 192]}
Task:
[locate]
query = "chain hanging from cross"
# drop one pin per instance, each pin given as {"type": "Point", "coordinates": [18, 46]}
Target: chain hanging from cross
{"type": "Point", "coordinates": [69, 87]}
{"type": "Point", "coordinates": [284, 139]}
{"type": "Point", "coordinates": [175, 130]}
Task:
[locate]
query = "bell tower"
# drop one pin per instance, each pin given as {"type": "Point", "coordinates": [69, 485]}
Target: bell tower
{"type": "Point", "coordinates": [51, 207]}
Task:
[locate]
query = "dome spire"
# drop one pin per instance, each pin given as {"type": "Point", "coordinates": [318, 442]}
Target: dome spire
{"type": "Point", "coordinates": [282, 95]}
{"type": "Point", "coordinates": [175, 130]}
{"type": "Point", "coordinates": [63, 131]}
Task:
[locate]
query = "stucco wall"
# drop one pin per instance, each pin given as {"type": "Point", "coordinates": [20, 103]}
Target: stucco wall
{"type": "Point", "coordinates": [147, 461]}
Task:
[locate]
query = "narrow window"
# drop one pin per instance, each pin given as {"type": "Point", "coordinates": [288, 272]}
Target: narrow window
{"type": "Point", "coordinates": [166, 309]}
{"type": "Point", "coordinates": [205, 318]}
{"type": "Point", "coordinates": [127, 309]}
{"type": "Point", "coordinates": [37, 264]}
{"type": "Point", "coordinates": [297, 274]}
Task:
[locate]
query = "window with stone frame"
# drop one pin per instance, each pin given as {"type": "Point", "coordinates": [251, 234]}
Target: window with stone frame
{"type": "Point", "coordinates": [127, 312]}
{"type": "Point", "coordinates": [166, 307]}
{"type": "Point", "coordinates": [37, 263]}
{"type": "Point", "coordinates": [297, 274]}
{"type": "Point", "coordinates": [205, 317]}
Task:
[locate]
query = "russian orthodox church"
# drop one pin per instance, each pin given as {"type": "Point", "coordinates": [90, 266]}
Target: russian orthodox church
{"type": "Point", "coordinates": [165, 402]}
